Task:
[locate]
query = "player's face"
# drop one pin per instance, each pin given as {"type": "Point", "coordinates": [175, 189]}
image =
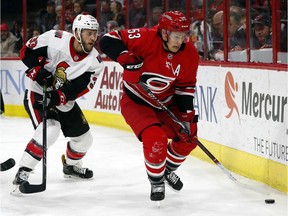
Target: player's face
{"type": "Point", "coordinates": [175, 40]}
{"type": "Point", "coordinates": [89, 38]}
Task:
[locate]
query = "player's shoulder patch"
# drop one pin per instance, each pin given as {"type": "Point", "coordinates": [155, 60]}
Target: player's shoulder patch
{"type": "Point", "coordinates": [32, 42]}
{"type": "Point", "coordinates": [58, 34]}
{"type": "Point", "coordinates": [99, 58]}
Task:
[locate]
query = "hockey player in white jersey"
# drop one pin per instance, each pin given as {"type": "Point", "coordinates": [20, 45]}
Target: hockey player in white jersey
{"type": "Point", "coordinates": [69, 65]}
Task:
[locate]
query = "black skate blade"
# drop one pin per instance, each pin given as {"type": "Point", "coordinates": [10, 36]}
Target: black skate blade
{"type": "Point", "coordinates": [77, 178]}
{"type": "Point", "coordinates": [157, 198]}
{"type": "Point", "coordinates": [28, 188]}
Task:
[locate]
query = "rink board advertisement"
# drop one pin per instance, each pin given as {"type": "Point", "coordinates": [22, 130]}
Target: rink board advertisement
{"type": "Point", "coordinates": [245, 109]}
{"type": "Point", "coordinates": [243, 114]}
{"type": "Point", "coordinates": [105, 96]}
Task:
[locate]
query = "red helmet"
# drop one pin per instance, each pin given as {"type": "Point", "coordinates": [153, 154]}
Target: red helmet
{"type": "Point", "coordinates": [174, 21]}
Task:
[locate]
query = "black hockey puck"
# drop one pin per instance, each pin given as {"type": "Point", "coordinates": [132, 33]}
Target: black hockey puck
{"type": "Point", "coordinates": [269, 201]}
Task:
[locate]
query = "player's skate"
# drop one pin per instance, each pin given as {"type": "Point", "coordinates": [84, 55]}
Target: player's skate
{"type": "Point", "coordinates": [157, 191]}
{"type": "Point", "coordinates": [76, 172]}
{"type": "Point", "coordinates": [21, 176]}
{"type": "Point", "coordinates": [173, 180]}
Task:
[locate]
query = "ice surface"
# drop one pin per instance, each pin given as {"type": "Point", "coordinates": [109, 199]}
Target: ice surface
{"type": "Point", "coordinates": [120, 186]}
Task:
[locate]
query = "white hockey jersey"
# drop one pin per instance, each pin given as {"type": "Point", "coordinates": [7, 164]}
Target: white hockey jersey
{"type": "Point", "coordinates": [54, 51]}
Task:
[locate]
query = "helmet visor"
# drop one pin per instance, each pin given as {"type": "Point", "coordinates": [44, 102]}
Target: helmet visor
{"type": "Point", "coordinates": [181, 37]}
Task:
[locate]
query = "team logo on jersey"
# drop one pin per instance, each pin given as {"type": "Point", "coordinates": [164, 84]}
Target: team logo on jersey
{"type": "Point", "coordinates": [60, 76]}
{"type": "Point", "coordinates": [156, 82]}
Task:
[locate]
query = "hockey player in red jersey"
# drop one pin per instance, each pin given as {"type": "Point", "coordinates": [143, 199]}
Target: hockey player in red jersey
{"type": "Point", "coordinates": [162, 58]}
{"type": "Point", "coordinates": [69, 66]}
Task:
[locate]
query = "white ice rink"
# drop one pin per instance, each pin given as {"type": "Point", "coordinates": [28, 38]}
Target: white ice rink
{"type": "Point", "coordinates": [120, 186]}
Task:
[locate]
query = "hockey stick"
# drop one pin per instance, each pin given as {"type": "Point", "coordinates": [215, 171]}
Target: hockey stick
{"type": "Point", "coordinates": [8, 164]}
{"type": "Point", "coordinates": [185, 130]}
{"type": "Point", "coordinates": [26, 187]}
{"type": "Point", "coordinates": [205, 150]}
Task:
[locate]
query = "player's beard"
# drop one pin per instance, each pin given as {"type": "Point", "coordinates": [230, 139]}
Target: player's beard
{"type": "Point", "coordinates": [88, 47]}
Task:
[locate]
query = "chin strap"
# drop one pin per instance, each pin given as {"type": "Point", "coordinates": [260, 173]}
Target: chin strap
{"type": "Point", "coordinates": [165, 45]}
{"type": "Point", "coordinates": [80, 42]}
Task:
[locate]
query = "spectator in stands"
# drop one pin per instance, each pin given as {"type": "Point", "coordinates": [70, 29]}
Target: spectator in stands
{"type": "Point", "coordinates": [20, 41]}
{"type": "Point", "coordinates": [58, 26]}
{"type": "Point", "coordinates": [217, 30]}
{"type": "Point", "coordinates": [262, 34]}
{"type": "Point", "coordinates": [217, 34]}
{"type": "Point", "coordinates": [69, 12]}
{"type": "Point", "coordinates": [284, 39]}
{"type": "Point", "coordinates": [137, 14]}
{"type": "Point", "coordinates": [155, 16]}
{"type": "Point", "coordinates": [243, 18]}
{"type": "Point", "coordinates": [117, 14]}
{"type": "Point", "coordinates": [58, 10]}
{"type": "Point", "coordinates": [237, 33]}
{"type": "Point", "coordinates": [215, 6]}
{"type": "Point", "coordinates": [36, 32]}
{"type": "Point", "coordinates": [197, 37]}
{"type": "Point", "coordinates": [16, 28]}
{"type": "Point", "coordinates": [105, 15]}
{"type": "Point", "coordinates": [48, 20]}
{"type": "Point", "coordinates": [261, 5]}
{"type": "Point", "coordinates": [79, 8]}
{"type": "Point", "coordinates": [197, 11]}
{"type": "Point", "coordinates": [8, 41]}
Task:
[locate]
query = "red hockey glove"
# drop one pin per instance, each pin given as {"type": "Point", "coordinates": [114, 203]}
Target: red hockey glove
{"type": "Point", "coordinates": [40, 75]}
{"type": "Point", "coordinates": [56, 97]}
{"type": "Point", "coordinates": [190, 121]}
{"type": "Point", "coordinates": [132, 65]}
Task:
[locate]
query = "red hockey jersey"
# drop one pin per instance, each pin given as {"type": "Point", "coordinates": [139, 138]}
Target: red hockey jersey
{"type": "Point", "coordinates": [168, 75]}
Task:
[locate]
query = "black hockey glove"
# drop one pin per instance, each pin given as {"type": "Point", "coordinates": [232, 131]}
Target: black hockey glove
{"type": "Point", "coordinates": [40, 75]}
{"type": "Point", "coordinates": [132, 65]}
{"type": "Point", "coordinates": [56, 97]}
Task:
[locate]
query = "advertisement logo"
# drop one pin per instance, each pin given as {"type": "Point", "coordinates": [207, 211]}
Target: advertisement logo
{"type": "Point", "coordinates": [253, 103]}
{"type": "Point", "coordinates": [231, 87]}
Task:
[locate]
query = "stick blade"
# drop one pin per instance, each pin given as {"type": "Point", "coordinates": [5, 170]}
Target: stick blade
{"type": "Point", "coordinates": [8, 164]}
{"type": "Point", "coordinates": [28, 188]}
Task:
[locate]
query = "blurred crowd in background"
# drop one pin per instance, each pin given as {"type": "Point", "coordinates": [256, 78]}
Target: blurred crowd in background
{"type": "Point", "coordinates": [43, 15]}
